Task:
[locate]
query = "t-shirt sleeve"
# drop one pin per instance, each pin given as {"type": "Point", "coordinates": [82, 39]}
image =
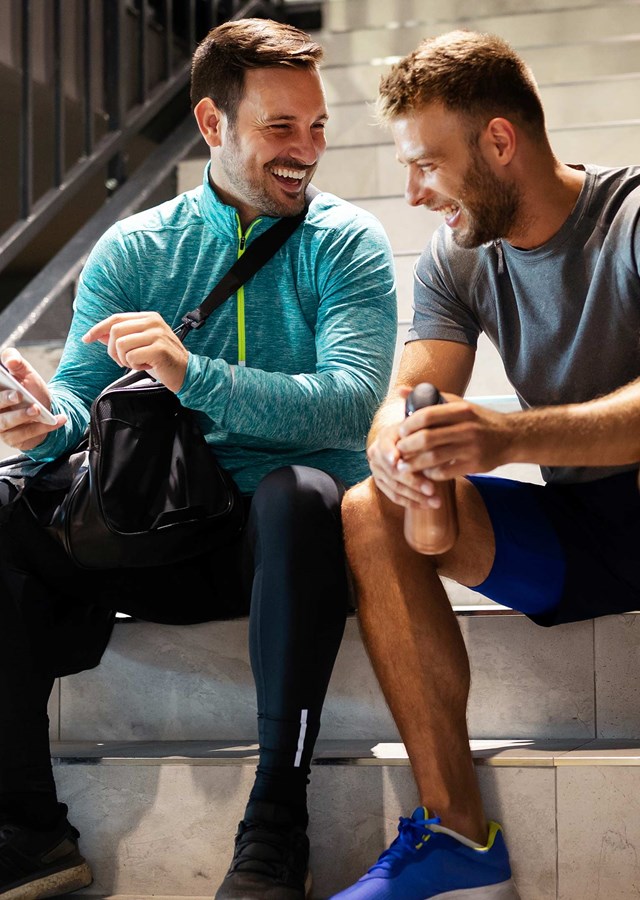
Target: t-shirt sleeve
{"type": "Point", "coordinates": [441, 303]}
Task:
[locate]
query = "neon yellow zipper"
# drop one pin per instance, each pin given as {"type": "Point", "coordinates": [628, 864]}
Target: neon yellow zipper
{"type": "Point", "coordinates": [242, 341]}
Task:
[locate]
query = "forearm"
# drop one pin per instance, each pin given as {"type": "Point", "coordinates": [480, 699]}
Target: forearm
{"type": "Point", "coordinates": [327, 400]}
{"type": "Point", "coordinates": [601, 432]}
{"type": "Point", "coordinates": [390, 413]}
{"type": "Point", "coordinates": [311, 411]}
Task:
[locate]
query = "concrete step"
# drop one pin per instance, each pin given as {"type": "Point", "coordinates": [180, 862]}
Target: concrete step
{"type": "Point", "coordinates": [573, 63]}
{"type": "Point", "coordinates": [159, 819]}
{"type": "Point", "coordinates": [194, 682]}
{"type": "Point", "coordinates": [351, 15]}
{"type": "Point", "coordinates": [571, 106]}
{"type": "Point", "coordinates": [526, 31]}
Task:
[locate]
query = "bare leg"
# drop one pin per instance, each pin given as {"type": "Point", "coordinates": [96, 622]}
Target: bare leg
{"type": "Point", "coordinates": [415, 645]}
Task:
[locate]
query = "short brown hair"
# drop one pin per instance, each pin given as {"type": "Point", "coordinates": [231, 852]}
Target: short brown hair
{"type": "Point", "coordinates": [223, 56]}
{"type": "Point", "coordinates": [478, 75]}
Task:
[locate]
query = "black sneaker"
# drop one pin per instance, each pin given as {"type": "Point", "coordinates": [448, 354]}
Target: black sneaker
{"type": "Point", "coordinates": [271, 858]}
{"type": "Point", "coordinates": [35, 864]}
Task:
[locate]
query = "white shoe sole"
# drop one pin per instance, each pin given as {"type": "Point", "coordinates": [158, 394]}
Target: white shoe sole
{"type": "Point", "coordinates": [506, 890]}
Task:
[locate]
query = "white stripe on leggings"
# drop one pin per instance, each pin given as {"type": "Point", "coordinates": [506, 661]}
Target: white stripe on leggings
{"type": "Point", "coordinates": [303, 730]}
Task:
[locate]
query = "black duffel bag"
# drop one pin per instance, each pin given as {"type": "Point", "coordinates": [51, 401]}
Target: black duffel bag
{"type": "Point", "coordinates": [143, 488]}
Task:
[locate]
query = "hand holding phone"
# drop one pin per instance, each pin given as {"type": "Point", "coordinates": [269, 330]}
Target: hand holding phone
{"type": "Point", "coordinates": [8, 382]}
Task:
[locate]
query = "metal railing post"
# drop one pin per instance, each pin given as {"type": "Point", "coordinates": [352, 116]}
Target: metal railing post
{"type": "Point", "coordinates": [26, 112]}
{"type": "Point", "coordinates": [58, 97]}
{"type": "Point", "coordinates": [114, 96]}
{"type": "Point", "coordinates": [87, 71]}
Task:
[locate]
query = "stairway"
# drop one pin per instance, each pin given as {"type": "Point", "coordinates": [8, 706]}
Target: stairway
{"type": "Point", "coordinates": [155, 749]}
{"type": "Point", "coordinates": [157, 756]}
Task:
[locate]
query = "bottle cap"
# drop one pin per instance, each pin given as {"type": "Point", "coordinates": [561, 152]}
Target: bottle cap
{"type": "Point", "coordinates": [423, 394]}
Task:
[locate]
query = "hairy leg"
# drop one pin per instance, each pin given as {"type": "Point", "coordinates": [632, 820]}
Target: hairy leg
{"type": "Point", "coordinates": [415, 645]}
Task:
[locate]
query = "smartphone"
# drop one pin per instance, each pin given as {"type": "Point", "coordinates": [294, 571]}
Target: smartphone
{"type": "Point", "coordinates": [8, 382]}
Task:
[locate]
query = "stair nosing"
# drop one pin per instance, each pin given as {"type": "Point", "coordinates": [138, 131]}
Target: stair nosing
{"type": "Point", "coordinates": [499, 752]}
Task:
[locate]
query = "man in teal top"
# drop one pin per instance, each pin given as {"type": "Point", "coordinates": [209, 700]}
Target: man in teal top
{"type": "Point", "coordinates": [285, 377]}
{"type": "Point", "coordinates": [291, 370]}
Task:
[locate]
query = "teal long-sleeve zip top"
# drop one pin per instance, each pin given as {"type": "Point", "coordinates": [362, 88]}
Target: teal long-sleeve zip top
{"type": "Point", "coordinates": [290, 370]}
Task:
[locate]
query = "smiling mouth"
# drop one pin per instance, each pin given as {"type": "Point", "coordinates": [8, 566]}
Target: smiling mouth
{"type": "Point", "coordinates": [450, 211]}
{"type": "Point", "coordinates": [288, 177]}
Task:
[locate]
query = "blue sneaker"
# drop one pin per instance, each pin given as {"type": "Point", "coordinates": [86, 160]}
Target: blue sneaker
{"type": "Point", "coordinates": [429, 862]}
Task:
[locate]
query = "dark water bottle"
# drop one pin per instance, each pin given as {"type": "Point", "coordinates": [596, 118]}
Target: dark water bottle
{"type": "Point", "coordinates": [431, 530]}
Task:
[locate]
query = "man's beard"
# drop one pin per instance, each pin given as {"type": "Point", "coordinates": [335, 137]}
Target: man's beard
{"type": "Point", "coordinates": [491, 206]}
{"type": "Point", "coordinates": [252, 188]}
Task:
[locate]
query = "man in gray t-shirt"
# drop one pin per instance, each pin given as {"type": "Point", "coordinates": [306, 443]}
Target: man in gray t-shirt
{"type": "Point", "coordinates": [564, 315]}
{"type": "Point", "coordinates": [544, 258]}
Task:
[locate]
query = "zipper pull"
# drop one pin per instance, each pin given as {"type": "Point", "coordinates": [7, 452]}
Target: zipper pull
{"type": "Point", "coordinates": [242, 243]}
{"type": "Point", "coordinates": [498, 245]}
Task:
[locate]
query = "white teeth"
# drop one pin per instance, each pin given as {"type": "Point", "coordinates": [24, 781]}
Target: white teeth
{"type": "Point", "coordinates": [289, 173]}
{"type": "Point", "coordinates": [448, 210]}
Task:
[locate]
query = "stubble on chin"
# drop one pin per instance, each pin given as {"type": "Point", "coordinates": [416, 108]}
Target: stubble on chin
{"type": "Point", "coordinates": [290, 206]}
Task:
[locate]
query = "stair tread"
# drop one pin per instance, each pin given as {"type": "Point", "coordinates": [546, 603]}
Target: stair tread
{"type": "Point", "coordinates": [460, 609]}
{"type": "Point", "coordinates": [499, 752]}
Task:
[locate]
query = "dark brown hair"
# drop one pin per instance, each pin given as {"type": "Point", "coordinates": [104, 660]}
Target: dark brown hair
{"type": "Point", "coordinates": [223, 56]}
{"type": "Point", "coordinates": [477, 75]}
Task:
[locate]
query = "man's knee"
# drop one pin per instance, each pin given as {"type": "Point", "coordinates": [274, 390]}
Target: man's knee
{"type": "Point", "coordinates": [368, 515]}
{"type": "Point", "coordinates": [358, 507]}
{"type": "Point", "coordinates": [298, 495]}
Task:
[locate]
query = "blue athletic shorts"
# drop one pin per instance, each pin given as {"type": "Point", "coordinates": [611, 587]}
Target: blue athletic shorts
{"type": "Point", "coordinates": [564, 552]}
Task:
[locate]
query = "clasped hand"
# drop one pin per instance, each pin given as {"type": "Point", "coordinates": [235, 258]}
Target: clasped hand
{"type": "Point", "coordinates": [437, 443]}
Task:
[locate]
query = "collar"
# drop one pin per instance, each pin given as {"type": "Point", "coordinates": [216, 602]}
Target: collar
{"type": "Point", "coordinates": [221, 217]}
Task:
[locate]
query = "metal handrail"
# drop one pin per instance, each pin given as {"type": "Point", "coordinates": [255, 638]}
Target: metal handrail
{"type": "Point", "coordinates": [125, 121]}
{"type": "Point", "coordinates": [122, 123]}
{"type": "Point", "coordinates": [54, 279]}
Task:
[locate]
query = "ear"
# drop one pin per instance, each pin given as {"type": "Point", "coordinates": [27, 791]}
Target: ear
{"type": "Point", "coordinates": [210, 121]}
{"type": "Point", "coordinates": [500, 140]}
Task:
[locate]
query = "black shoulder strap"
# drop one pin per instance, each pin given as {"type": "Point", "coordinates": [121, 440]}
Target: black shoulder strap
{"type": "Point", "coordinates": [254, 257]}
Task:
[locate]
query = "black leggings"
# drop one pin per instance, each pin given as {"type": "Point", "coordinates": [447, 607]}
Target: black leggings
{"type": "Point", "coordinates": [287, 571]}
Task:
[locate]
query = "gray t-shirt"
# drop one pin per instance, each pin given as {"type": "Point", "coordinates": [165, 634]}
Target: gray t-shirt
{"type": "Point", "coordinates": [564, 317]}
